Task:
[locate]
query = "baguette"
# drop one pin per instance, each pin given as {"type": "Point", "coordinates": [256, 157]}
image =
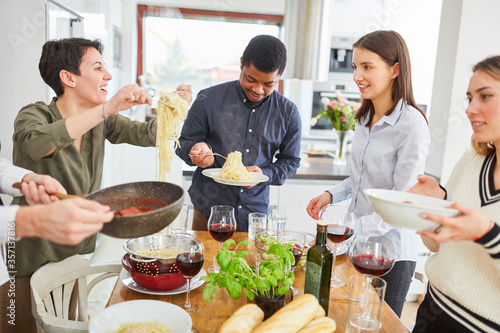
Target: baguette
{"type": "Point", "coordinates": [244, 320]}
{"type": "Point", "coordinates": [320, 325]}
{"type": "Point", "coordinates": [292, 317]}
{"type": "Point", "coordinates": [320, 312]}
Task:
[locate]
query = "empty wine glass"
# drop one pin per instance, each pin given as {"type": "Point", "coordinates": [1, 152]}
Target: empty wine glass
{"type": "Point", "coordinates": [190, 261]}
{"type": "Point", "coordinates": [221, 225]}
{"type": "Point", "coordinates": [340, 228]}
{"type": "Point", "coordinates": [297, 241]}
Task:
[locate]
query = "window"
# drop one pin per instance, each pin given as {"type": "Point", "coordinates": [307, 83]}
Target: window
{"type": "Point", "coordinates": [197, 47]}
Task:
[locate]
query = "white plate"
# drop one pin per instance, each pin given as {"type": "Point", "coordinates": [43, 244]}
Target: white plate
{"type": "Point", "coordinates": [402, 209]}
{"type": "Point", "coordinates": [214, 174]}
{"type": "Point", "coordinates": [129, 283]}
{"type": "Point", "coordinates": [110, 319]}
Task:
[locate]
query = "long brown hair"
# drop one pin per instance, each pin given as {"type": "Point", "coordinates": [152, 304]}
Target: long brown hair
{"type": "Point", "coordinates": [490, 66]}
{"type": "Point", "coordinates": [391, 47]}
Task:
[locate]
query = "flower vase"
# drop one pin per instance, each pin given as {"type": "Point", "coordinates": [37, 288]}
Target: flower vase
{"type": "Point", "coordinates": [341, 151]}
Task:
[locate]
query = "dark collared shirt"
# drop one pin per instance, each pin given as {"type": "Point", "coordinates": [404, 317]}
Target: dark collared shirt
{"type": "Point", "coordinates": [222, 117]}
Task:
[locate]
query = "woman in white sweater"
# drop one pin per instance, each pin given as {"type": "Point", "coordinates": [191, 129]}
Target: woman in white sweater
{"type": "Point", "coordinates": [464, 274]}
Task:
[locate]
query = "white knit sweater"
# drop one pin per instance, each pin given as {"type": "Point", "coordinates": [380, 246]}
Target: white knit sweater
{"type": "Point", "coordinates": [465, 276]}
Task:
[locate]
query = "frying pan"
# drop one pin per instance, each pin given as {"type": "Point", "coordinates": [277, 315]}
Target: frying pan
{"type": "Point", "coordinates": [142, 195]}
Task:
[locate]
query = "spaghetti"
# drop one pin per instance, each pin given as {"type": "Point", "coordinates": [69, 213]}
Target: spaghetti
{"type": "Point", "coordinates": [152, 326]}
{"type": "Point", "coordinates": [234, 169]}
{"type": "Point", "coordinates": [160, 253]}
{"type": "Point", "coordinates": [171, 112]}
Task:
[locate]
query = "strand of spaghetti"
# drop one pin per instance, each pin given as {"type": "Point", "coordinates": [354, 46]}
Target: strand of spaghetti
{"type": "Point", "coordinates": [233, 168]}
{"type": "Point", "coordinates": [171, 112]}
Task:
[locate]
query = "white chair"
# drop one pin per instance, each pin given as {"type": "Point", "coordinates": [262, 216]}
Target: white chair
{"type": "Point", "coordinates": [51, 288]}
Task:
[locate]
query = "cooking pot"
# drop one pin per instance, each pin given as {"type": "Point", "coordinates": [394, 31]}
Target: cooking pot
{"type": "Point", "coordinates": [164, 198]}
{"type": "Point", "coordinates": [154, 273]}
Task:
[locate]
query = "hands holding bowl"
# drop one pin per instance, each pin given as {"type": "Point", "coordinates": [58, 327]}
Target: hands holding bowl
{"type": "Point", "coordinates": [426, 211]}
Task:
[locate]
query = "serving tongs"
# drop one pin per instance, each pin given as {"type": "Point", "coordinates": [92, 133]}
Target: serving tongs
{"type": "Point", "coordinates": [60, 196]}
{"type": "Point", "coordinates": [211, 154]}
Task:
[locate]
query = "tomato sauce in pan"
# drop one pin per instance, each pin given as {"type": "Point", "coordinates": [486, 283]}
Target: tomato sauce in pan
{"type": "Point", "coordinates": [138, 203]}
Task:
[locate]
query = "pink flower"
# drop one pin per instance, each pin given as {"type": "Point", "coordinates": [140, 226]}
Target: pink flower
{"type": "Point", "coordinates": [333, 104]}
{"type": "Point", "coordinates": [343, 118]}
{"type": "Point", "coordinates": [344, 100]}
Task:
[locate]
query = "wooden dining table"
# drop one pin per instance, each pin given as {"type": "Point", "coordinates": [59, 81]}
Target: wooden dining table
{"type": "Point", "coordinates": [214, 313]}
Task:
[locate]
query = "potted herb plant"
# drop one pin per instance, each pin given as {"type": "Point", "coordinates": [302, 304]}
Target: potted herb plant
{"type": "Point", "coordinates": [270, 287]}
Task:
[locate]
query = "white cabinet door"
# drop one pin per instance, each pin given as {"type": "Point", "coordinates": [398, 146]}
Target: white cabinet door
{"type": "Point", "coordinates": [296, 194]}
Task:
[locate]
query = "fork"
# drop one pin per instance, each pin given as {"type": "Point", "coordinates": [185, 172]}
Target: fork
{"type": "Point", "coordinates": [164, 103]}
{"type": "Point", "coordinates": [214, 154]}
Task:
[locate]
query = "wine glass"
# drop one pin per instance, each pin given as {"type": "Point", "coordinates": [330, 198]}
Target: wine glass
{"type": "Point", "coordinates": [190, 261]}
{"type": "Point", "coordinates": [297, 241]}
{"type": "Point", "coordinates": [340, 228]}
{"type": "Point", "coordinates": [372, 256]}
{"type": "Point", "coordinates": [221, 225]}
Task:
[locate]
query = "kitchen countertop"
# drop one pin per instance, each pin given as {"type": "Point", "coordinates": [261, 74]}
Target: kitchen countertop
{"type": "Point", "coordinates": [311, 168]}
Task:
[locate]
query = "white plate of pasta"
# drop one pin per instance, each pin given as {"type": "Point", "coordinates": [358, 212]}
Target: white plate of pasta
{"type": "Point", "coordinates": [129, 283]}
{"type": "Point", "coordinates": [214, 174]}
{"type": "Point", "coordinates": [142, 316]}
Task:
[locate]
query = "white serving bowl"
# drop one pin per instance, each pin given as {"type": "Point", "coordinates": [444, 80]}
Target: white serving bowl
{"type": "Point", "coordinates": [112, 317]}
{"type": "Point", "coordinates": [402, 209]}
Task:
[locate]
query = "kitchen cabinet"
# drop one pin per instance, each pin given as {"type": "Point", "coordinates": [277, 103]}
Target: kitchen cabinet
{"type": "Point", "coordinates": [296, 194]}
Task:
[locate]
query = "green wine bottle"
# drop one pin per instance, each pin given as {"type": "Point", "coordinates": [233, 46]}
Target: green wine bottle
{"type": "Point", "coordinates": [319, 268]}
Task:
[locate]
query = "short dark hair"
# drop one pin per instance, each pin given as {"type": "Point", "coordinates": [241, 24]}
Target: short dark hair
{"type": "Point", "coordinates": [64, 54]}
{"type": "Point", "coordinates": [267, 53]}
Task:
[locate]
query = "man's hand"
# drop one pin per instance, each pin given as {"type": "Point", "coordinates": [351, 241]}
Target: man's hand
{"type": "Point", "coordinates": [66, 222]}
{"type": "Point", "coordinates": [185, 92]}
{"type": "Point", "coordinates": [201, 159]}
{"type": "Point", "coordinates": [38, 188]}
{"type": "Point", "coordinates": [254, 168]}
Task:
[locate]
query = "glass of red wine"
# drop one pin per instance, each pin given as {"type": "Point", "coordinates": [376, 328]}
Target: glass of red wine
{"type": "Point", "coordinates": [340, 228]}
{"type": "Point", "coordinates": [221, 225]}
{"type": "Point", "coordinates": [190, 261]}
{"type": "Point", "coordinates": [372, 256]}
{"type": "Point", "coordinates": [297, 242]}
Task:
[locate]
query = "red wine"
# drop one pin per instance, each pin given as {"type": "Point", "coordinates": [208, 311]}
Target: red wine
{"type": "Point", "coordinates": [297, 254]}
{"type": "Point", "coordinates": [339, 233]}
{"type": "Point", "coordinates": [221, 232]}
{"type": "Point", "coordinates": [190, 264]}
{"type": "Point", "coordinates": [369, 264]}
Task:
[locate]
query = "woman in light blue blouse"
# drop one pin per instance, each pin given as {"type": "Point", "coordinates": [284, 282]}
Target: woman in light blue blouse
{"type": "Point", "coordinates": [390, 145]}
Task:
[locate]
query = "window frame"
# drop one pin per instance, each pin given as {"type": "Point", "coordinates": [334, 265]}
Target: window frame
{"type": "Point", "coordinates": [144, 11]}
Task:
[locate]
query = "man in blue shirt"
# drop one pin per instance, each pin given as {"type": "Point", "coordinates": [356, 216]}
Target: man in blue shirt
{"type": "Point", "coordinates": [249, 116]}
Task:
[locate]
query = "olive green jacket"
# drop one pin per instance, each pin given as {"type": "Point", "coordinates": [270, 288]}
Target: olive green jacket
{"type": "Point", "coordinates": [39, 128]}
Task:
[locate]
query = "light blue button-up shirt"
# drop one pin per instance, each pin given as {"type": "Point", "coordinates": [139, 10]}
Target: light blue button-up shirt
{"type": "Point", "coordinates": [390, 156]}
